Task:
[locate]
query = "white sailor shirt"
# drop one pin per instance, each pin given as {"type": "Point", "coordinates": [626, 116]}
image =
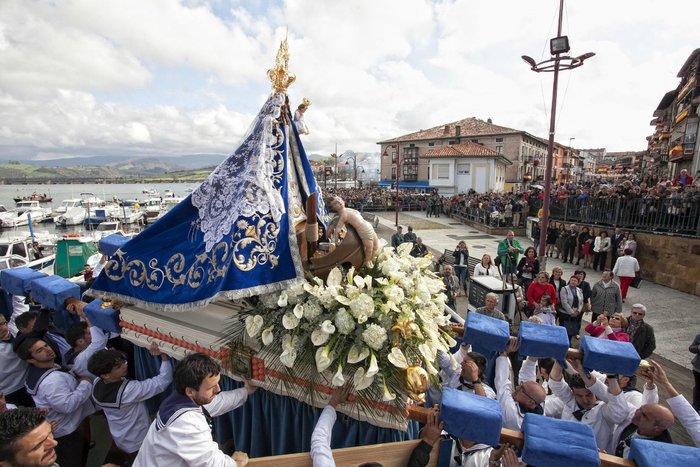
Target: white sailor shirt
{"type": "Point", "coordinates": [99, 342]}
{"type": "Point", "coordinates": [13, 371]}
{"type": "Point", "coordinates": [182, 437]}
{"type": "Point", "coordinates": [602, 418]}
{"type": "Point", "coordinates": [512, 418]}
{"type": "Point", "coordinates": [321, 453]}
{"type": "Point", "coordinates": [124, 406]}
{"type": "Point", "coordinates": [67, 400]}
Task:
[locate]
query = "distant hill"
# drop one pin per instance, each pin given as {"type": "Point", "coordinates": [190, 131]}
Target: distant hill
{"type": "Point", "coordinates": [189, 161]}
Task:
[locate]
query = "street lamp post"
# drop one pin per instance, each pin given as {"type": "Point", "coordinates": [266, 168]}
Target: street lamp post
{"type": "Point", "coordinates": [354, 167]}
{"type": "Point", "coordinates": [397, 155]}
{"type": "Point", "coordinates": [571, 158]}
{"type": "Point", "coordinates": [558, 46]}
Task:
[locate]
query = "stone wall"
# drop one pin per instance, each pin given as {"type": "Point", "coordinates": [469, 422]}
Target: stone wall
{"type": "Point", "coordinates": [670, 261]}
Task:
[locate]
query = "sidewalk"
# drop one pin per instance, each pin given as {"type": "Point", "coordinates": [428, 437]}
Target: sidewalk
{"type": "Point", "coordinates": [674, 315]}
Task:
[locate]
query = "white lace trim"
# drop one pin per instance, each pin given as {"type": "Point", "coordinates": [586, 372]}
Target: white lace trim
{"type": "Point", "coordinates": [243, 184]}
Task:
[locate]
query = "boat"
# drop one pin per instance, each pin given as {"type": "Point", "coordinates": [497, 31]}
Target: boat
{"type": "Point", "coordinates": [152, 206]}
{"type": "Point", "coordinates": [42, 198]}
{"type": "Point", "coordinates": [24, 213]}
{"type": "Point", "coordinates": [165, 206]}
{"type": "Point", "coordinates": [128, 215]}
{"type": "Point", "coordinates": [67, 204]}
{"type": "Point", "coordinates": [17, 251]}
{"type": "Point", "coordinates": [107, 228]}
{"type": "Point", "coordinates": [150, 192]}
{"type": "Point", "coordinates": [70, 212]}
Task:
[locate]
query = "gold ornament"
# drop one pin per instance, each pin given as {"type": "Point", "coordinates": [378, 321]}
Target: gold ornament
{"type": "Point", "coordinates": [407, 328]}
{"type": "Point", "coordinates": [416, 381]}
{"type": "Point", "coordinates": [279, 75]}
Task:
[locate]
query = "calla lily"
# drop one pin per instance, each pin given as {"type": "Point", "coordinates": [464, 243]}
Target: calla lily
{"type": "Point", "coordinates": [449, 340]}
{"type": "Point", "coordinates": [282, 300]}
{"type": "Point", "coordinates": [324, 358]}
{"type": "Point", "coordinates": [299, 311]}
{"type": "Point", "coordinates": [397, 358]}
{"type": "Point", "coordinates": [289, 321]}
{"type": "Point", "coordinates": [338, 379]}
{"type": "Point", "coordinates": [253, 325]}
{"type": "Point", "coordinates": [387, 395]}
{"type": "Point", "coordinates": [357, 353]}
{"type": "Point", "coordinates": [334, 278]}
{"type": "Point", "coordinates": [287, 358]}
{"type": "Point", "coordinates": [359, 282]}
{"type": "Point", "coordinates": [327, 327]}
{"type": "Point", "coordinates": [404, 249]}
{"type": "Point", "coordinates": [350, 274]}
{"type": "Point", "coordinates": [318, 337]}
{"type": "Point", "coordinates": [343, 300]}
{"type": "Point", "coordinates": [373, 367]}
{"type": "Point", "coordinates": [267, 336]}
{"type": "Point", "coordinates": [427, 352]}
{"type": "Point", "coordinates": [429, 366]}
{"type": "Point", "coordinates": [362, 381]}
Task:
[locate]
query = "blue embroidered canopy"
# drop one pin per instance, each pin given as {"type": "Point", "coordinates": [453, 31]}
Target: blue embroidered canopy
{"type": "Point", "coordinates": [234, 236]}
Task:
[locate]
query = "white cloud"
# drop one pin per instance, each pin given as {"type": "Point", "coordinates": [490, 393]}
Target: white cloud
{"type": "Point", "coordinates": [162, 76]}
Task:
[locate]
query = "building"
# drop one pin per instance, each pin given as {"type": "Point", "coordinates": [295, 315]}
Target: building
{"type": "Point", "coordinates": [673, 145]}
{"type": "Point", "coordinates": [526, 152]}
{"type": "Point", "coordinates": [459, 168]}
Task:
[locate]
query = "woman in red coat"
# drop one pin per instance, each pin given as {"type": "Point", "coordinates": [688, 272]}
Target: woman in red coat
{"type": "Point", "coordinates": [613, 328]}
{"type": "Point", "coordinates": [540, 287]}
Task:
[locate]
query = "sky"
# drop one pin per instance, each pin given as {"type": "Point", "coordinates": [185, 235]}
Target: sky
{"type": "Point", "coordinates": [167, 77]}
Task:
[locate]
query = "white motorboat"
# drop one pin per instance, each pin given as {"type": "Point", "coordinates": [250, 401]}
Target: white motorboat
{"type": "Point", "coordinates": [129, 215]}
{"type": "Point", "coordinates": [17, 251]}
{"type": "Point", "coordinates": [67, 204]}
{"type": "Point", "coordinates": [165, 206]}
{"type": "Point", "coordinates": [73, 216]}
{"type": "Point", "coordinates": [150, 192]}
{"type": "Point", "coordinates": [152, 207]}
{"type": "Point", "coordinates": [25, 212]}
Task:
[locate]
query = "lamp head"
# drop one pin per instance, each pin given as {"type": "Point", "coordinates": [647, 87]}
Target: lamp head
{"type": "Point", "coordinates": [529, 60]}
{"type": "Point", "coordinates": [559, 45]}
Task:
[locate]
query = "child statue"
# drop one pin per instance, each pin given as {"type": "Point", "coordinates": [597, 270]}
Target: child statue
{"type": "Point", "coordinates": [370, 242]}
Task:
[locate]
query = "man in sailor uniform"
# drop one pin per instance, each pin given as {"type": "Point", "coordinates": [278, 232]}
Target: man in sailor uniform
{"type": "Point", "coordinates": [553, 406]}
{"type": "Point", "coordinates": [526, 397]}
{"type": "Point", "coordinates": [65, 398]}
{"type": "Point", "coordinates": [39, 324]}
{"type": "Point", "coordinates": [123, 400]}
{"type": "Point", "coordinates": [85, 340]}
{"type": "Point", "coordinates": [181, 433]}
{"type": "Point", "coordinates": [581, 403]}
{"type": "Point", "coordinates": [468, 376]}
{"type": "Point", "coordinates": [13, 371]}
{"type": "Point", "coordinates": [26, 439]}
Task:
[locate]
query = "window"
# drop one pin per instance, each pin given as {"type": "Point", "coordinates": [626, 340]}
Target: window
{"type": "Point", "coordinates": [463, 169]}
{"type": "Point", "coordinates": [499, 140]}
{"type": "Point", "coordinates": [432, 143]}
{"type": "Point", "coordinates": [393, 173]}
{"type": "Point", "coordinates": [499, 149]}
{"type": "Point", "coordinates": [453, 141]}
{"type": "Point", "coordinates": [475, 141]}
{"type": "Point", "coordinates": [441, 171]}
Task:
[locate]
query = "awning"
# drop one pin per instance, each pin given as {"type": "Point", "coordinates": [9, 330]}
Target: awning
{"type": "Point", "coordinates": [404, 184]}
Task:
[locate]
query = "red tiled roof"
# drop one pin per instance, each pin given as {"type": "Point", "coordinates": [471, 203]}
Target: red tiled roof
{"type": "Point", "coordinates": [468, 127]}
{"type": "Point", "coordinates": [467, 149]}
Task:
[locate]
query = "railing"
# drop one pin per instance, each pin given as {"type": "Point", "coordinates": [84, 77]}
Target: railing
{"type": "Point", "coordinates": [676, 216]}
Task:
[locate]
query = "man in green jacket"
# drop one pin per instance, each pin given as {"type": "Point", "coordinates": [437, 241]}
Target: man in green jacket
{"type": "Point", "coordinates": [509, 250]}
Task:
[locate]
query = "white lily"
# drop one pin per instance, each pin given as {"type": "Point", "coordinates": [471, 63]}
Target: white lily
{"type": "Point", "coordinates": [282, 300]}
{"type": "Point", "coordinates": [289, 321]}
{"type": "Point", "coordinates": [397, 358]}
{"type": "Point", "coordinates": [359, 282]}
{"type": "Point", "coordinates": [427, 352]}
{"type": "Point", "coordinates": [373, 366]}
{"type": "Point", "coordinates": [357, 353]}
{"type": "Point", "coordinates": [288, 356]}
{"type": "Point", "coordinates": [388, 395]}
{"type": "Point", "coordinates": [362, 381]}
{"type": "Point", "coordinates": [324, 358]}
{"type": "Point", "coordinates": [268, 336]}
{"type": "Point", "coordinates": [318, 337]}
{"type": "Point", "coordinates": [253, 325]}
{"type": "Point", "coordinates": [299, 311]}
{"type": "Point", "coordinates": [338, 379]}
{"type": "Point", "coordinates": [335, 277]}
{"type": "Point", "coordinates": [327, 327]}
{"type": "Point", "coordinates": [404, 249]}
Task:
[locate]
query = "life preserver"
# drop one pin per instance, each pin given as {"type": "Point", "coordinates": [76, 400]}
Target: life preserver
{"type": "Point", "coordinates": [73, 235]}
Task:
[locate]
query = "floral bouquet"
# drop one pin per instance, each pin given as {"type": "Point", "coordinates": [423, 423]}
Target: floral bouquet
{"type": "Point", "coordinates": [378, 329]}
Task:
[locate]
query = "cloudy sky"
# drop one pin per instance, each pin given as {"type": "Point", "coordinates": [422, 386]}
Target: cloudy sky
{"type": "Point", "coordinates": [167, 77]}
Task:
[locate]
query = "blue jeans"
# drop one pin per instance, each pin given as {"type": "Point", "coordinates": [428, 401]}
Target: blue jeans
{"type": "Point", "coordinates": [462, 274]}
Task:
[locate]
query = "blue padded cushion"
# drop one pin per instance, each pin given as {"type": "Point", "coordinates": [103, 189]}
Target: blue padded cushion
{"type": "Point", "coordinates": [104, 318]}
{"type": "Point", "coordinates": [609, 356]}
{"type": "Point", "coordinates": [471, 417]}
{"type": "Point", "coordinates": [543, 340]}
{"type": "Point", "coordinates": [51, 291]}
{"type": "Point", "coordinates": [16, 281]}
{"type": "Point", "coordinates": [550, 442]}
{"type": "Point", "coordinates": [111, 243]}
{"type": "Point", "coordinates": [647, 453]}
{"type": "Point", "coordinates": [486, 332]}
